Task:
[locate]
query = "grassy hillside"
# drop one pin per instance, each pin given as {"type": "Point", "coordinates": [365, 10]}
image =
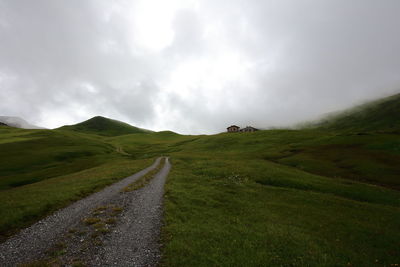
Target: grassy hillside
{"type": "Point", "coordinates": [229, 211]}
{"type": "Point", "coordinates": [104, 126]}
{"type": "Point", "coordinates": [43, 170]}
{"type": "Point", "coordinates": [244, 199]}
{"type": "Point", "coordinates": [373, 158]}
{"type": "Point", "coordinates": [230, 201]}
{"type": "Point", "coordinates": [35, 155]}
{"type": "Point", "coordinates": [326, 196]}
{"type": "Point", "coordinates": [382, 116]}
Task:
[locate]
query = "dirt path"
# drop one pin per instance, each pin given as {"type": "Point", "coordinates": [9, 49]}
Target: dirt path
{"type": "Point", "coordinates": [131, 241]}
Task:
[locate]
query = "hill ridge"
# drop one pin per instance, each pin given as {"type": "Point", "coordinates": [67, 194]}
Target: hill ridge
{"type": "Point", "coordinates": [381, 115]}
{"type": "Point", "coordinates": [17, 122]}
{"type": "Point", "coordinates": [104, 126]}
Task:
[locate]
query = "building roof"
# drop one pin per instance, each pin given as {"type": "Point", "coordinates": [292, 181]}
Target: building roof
{"type": "Point", "coordinates": [248, 128]}
{"type": "Point", "coordinates": [233, 126]}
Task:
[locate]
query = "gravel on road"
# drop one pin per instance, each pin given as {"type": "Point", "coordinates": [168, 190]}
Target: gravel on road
{"type": "Point", "coordinates": [133, 241]}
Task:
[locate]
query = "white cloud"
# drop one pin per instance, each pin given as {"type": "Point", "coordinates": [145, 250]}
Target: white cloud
{"type": "Point", "coordinates": [194, 66]}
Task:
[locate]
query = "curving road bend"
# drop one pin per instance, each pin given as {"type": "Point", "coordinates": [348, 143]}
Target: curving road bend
{"type": "Point", "coordinates": [134, 241]}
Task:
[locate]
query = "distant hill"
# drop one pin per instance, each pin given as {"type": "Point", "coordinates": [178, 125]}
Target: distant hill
{"type": "Point", "coordinates": [167, 133]}
{"type": "Point", "coordinates": [382, 115]}
{"type": "Point", "coordinates": [17, 122]}
{"type": "Point", "coordinates": [104, 126]}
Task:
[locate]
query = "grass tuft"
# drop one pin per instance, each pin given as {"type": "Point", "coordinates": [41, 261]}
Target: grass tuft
{"type": "Point", "coordinates": [117, 209]}
{"type": "Point", "coordinates": [110, 221]}
{"type": "Point", "coordinates": [91, 220]}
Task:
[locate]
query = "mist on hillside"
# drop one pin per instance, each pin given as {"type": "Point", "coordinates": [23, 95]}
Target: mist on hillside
{"type": "Point", "coordinates": [17, 122]}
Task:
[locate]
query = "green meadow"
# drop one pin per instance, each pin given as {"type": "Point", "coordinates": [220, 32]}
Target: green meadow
{"type": "Point", "coordinates": [325, 195]}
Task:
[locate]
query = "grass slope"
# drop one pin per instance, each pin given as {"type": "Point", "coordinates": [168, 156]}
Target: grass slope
{"type": "Point", "coordinates": [104, 126]}
{"type": "Point", "coordinates": [382, 115]}
{"type": "Point", "coordinates": [255, 199]}
{"type": "Point", "coordinates": [43, 170]}
{"type": "Point", "coordinates": [311, 197]}
{"type": "Point", "coordinates": [233, 212]}
{"type": "Point", "coordinates": [373, 158]}
{"type": "Point", "coordinates": [35, 155]}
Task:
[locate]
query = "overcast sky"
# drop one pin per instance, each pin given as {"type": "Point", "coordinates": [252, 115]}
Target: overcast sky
{"type": "Point", "coordinates": [195, 66]}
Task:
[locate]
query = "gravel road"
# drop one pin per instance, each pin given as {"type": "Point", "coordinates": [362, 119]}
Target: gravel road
{"type": "Point", "coordinates": [133, 240]}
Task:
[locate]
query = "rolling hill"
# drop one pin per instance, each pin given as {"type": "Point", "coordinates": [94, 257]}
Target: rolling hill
{"type": "Point", "coordinates": [321, 196]}
{"type": "Point", "coordinates": [104, 126]}
{"type": "Point", "coordinates": [382, 115]}
{"type": "Point", "coordinates": [36, 155]}
{"type": "Point", "coordinates": [17, 122]}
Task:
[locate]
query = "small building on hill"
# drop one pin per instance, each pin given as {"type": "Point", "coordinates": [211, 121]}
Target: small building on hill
{"type": "Point", "coordinates": [248, 129]}
{"type": "Point", "coordinates": [233, 129]}
{"type": "Point", "coordinates": [236, 129]}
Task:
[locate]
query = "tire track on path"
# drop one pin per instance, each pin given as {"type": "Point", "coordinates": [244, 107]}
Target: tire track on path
{"type": "Point", "coordinates": [135, 239]}
{"type": "Point", "coordinates": [33, 242]}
